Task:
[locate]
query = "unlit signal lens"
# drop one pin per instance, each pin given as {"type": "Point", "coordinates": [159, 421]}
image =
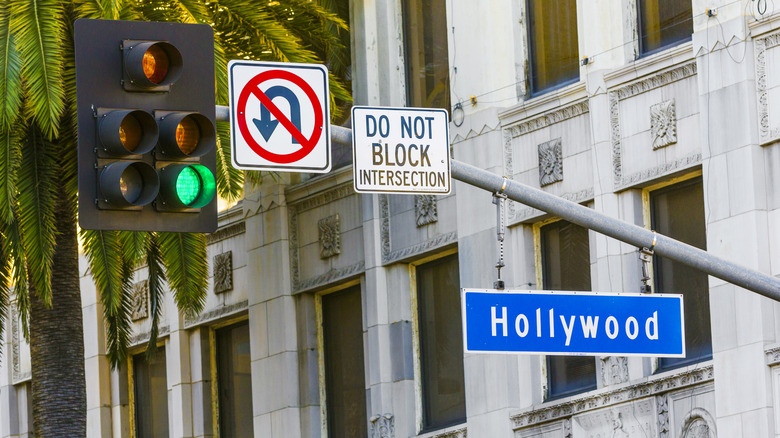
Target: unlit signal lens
{"type": "Point", "coordinates": [187, 135]}
{"type": "Point", "coordinates": [131, 184]}
{"type": "Point", "coordinates": [130, 132]}
{"type": "Point", "coordinates": [155, 64]}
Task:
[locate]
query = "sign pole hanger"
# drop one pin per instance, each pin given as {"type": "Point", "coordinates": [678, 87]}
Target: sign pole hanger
{"type": "Point", "coordinates": [499, 198]}
{"type": "Point", "coordinates": [637, 236]}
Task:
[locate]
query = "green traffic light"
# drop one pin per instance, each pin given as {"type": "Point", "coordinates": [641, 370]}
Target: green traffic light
{"type": "Point", "coordinates": [195, 186]}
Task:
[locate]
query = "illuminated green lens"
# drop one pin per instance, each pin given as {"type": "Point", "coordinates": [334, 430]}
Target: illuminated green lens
{"type": "Point", "coordinates": [188, 186]}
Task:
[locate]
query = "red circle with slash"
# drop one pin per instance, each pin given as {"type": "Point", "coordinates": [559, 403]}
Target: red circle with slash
{"type": "Point", "coordinates": [307, 144]}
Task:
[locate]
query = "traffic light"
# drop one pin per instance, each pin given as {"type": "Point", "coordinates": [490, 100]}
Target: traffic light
{"type": "Point", "coordinates": [146, 126]}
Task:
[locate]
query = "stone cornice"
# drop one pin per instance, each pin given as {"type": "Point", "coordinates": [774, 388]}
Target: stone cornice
{"type": "Point", "coordinates": [653, 386]}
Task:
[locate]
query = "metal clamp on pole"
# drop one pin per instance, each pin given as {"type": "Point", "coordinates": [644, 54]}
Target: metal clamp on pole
{"type": "Point", "coordinates": [646, 256]}
{"type": "Point", "coordinates": [499, 198]}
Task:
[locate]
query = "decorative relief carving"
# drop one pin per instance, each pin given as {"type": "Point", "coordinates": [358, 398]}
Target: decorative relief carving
{"type": "Point", "coordinates": [390, 256]}
{"type": "Point", "coordinates": [567, 428]}
{"type": "Point", "coordinates": [226, 233]}
{"type": "Point", "coordinates": [140, 300]}
{"type": "Point", "coordinates": [508, 167]}
{"type": "Point", "coordinates": [330, 276]}
{"type": "Point", "coordinates": [662, 407]}
{"type": "Point", "coordinates": [459, 433]}
{"type": "Point", "coordinates": [766, 134]}
{"type": "Point", "coordinates": [611, 398]}
{"type": "Point", "coordinates": [665, 78]}
{"type": "Point", "coordinates": [144, 337]}
{"type": "Point", "coordinates": [550, 162]}
{"type": "Point", "coordinates": [698, 424]}
{"type": "Point", "coordinates": [217, 313]}
{"type": "Point", "coordinates": [223, 272]}
{"type": "Point", "coordinates": [614, 370]}
{"type": "Point", "coordinates": [654, 172]}
{"type": "Point", "coordinates": [16, 340]}
{"type": "Point", "coordinates": [530, 213]}
{"type": "Point", "coordinates": [425, 209]}
{"type": "Point", "coordinates": [382, 426]}
{"type": "Point", "coordinates": [550, 118]}
{"type": "Point", "coordinates": [384, 215]}
{"type": "Point", "coordinates": [773, 356]}
{"type": "Point", "coordinates": [330, 236]}
{"type": "Point", "coordinates": [323, 198]}
{"type": "Point", "coordinates": [663, 124]}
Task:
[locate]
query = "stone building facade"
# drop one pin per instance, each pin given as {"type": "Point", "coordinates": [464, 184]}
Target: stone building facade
{"type": "Point", "coordinates": [332, 313]}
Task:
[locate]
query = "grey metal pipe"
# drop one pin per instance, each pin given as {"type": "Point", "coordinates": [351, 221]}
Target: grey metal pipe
{"type": "Point", "coordinates": [747, 278]}
{"type": "Point", "coordinates": [710, 264]}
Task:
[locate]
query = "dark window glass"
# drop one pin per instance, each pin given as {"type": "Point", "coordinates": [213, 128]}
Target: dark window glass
{"type": "Point", "coordinates": [235, 381]}
{"type": "Point", "coordinates": [345, 381]}
{"type": "Point", "coordinates": [427, 66]}
{"type": "Point", "coordinates": [678, 212]}
{"type": "Point", "coordinates": [663, 23]}
{"type": "Point", "coordinates": [566, 266]}
{"type": "Point", "coordinates": [441, 343]}
{"type": "Point", "coordinates": [151, 396]}
{"type": "Point", "coordinates": [552, 28]}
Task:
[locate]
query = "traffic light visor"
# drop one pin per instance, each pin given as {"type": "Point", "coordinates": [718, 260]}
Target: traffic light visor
{"type": "Point", "coordinates": [127, 132]}
{"type": "Point", "coordinates": [186, 135]}
{"type": "Point", "coordinates": [151, 65]}
{"type": "Point", "coordinates": [129, 183]}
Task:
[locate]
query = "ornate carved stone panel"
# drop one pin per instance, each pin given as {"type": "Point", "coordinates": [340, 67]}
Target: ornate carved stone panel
{"type": "Point", "coordinates": [768, 131]}
{"type": "Point", "coordinates": [663, 124]}
{"type": "Point", "coordinates": [614, 370]}
{"type": "Point", "coordinates": [662, 406]}
{"type": "Point", "coordinates": [223, 272]}
{"type": "Point", "coordinates": [382, 426]}
{"type": "Point", "coordinates": [140, 303]}
{"type": "Point", "coordinates": [698, 424]}
{"type": "Point", "coordinates": [550, 162]}
{"type": "Point", "coordinates": [330, 236]}
{"type": "Point", "coordinates": [425, 209]}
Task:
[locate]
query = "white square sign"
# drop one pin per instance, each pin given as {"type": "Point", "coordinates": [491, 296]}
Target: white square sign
{"type": "Point", "coordinates": [400, 150]}
{"type": "Point", "coordinates": [279, 116]}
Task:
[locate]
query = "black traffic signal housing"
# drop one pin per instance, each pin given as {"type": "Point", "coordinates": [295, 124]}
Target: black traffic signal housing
{"type": "Point", "coordinates": [146, 126]}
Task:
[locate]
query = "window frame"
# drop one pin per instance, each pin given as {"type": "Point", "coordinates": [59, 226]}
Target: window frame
{"type": "Point", "coordinates": [213, 372]}
{"type": "Point", "coordinates": [647, 218]}
{"type": "Point", "coordinates": [641, 53]}
{"type": "Point", "coordinates": [539, 267]}
{"type": "Point", "coordinates": [417, 359]}
{"type": "Point", "coordinates": [531, 57]}
{"type": "Point", "coordinates": [132, 353]}
{"type": "Point", "coordinates": [321, 372]}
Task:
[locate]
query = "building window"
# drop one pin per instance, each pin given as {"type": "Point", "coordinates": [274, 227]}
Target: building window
{"type": "Point", "coordinates": [678, 212]}
{"type": "Point", "coordinates": [345, 381]}
{"type": "Point", "coordinates": [441, 343]}
{"type": "Point", "coordinates": [552, 29]}
{"type": "Point", "coordinates": [150, 395]}
{"type": "Point", "coordinates": [234, 381]}
{"type": "Point", "coordinates": [663, 23]}
{"type": "Point", "coordinates": [427, 63]}
{"type": "Point", "coordinates": [566, 266]}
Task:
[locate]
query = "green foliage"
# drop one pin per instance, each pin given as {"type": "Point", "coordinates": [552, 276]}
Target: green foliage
{"type": "Point", "coordinates": [38, 142]}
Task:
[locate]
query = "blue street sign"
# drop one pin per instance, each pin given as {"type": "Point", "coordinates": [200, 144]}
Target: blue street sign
{"type": "Point", "coordinates": [573, 323]}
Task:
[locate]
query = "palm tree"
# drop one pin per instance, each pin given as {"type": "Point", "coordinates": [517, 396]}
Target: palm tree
{"type": "Point", "coordinates": [38, 178]}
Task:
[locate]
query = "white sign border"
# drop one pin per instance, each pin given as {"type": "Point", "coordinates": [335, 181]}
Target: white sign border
{"type": "Point", "coordinates": [560, 353]}
{"type": "Point", "coordinates": [234, 129]}
{"type": "Point", "coordinates": [400, 192]}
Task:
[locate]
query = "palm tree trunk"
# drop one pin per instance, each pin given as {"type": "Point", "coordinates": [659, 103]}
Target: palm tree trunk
{"type": "Point", "coordinates": [57, 341]}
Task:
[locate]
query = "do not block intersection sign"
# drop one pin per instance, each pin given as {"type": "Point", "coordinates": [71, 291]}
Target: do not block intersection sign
{"type": "Point", "coordinates": [279, 116]}
{"type": "Point", "coordinates": [400, 150]}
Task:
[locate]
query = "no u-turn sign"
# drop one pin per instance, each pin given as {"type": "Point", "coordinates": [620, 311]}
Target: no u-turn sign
{"type": "Point", "coordinates": [279, 116]}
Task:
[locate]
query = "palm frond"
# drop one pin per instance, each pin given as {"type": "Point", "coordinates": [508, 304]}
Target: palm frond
{"type": "Point", "coordinates": [9, 166]}
{"type": "Point", "coordinates": [10, 72]}
{"type": "Point", "coordinates": [111, 276]}
{"type": "Point", "coordinates": [186, 268]}
{"type": "Point", "coordinates": [133, 246]}
{"type": "Point", "coordinates": [190, 11]}
{"type": "Point", "coordinates": [36, 200]}
{"type": "Point", "coordinates": [37, 26]}
{"type": "Point", "coordinates": [230, 181]}
{"type": "Point", "coordinates": [12, 245]}
{"type": "Point", "coordinates": [220, 72]}
{"type": "Point", "coordinates": [156, 281]}
{"type": "Point", "coordinates": [105, 9]}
